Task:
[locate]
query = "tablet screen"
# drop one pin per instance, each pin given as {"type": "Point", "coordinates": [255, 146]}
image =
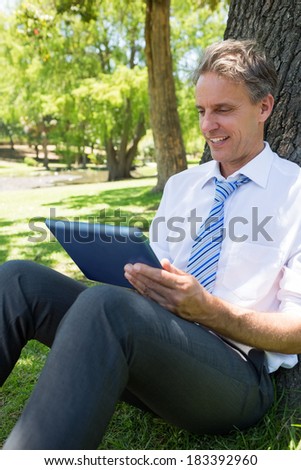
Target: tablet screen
{"type": "Point", "coordinates": [101, 250]}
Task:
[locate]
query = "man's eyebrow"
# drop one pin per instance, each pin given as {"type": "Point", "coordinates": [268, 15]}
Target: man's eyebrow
{"type": "Point", "coordinates": [218, 105]}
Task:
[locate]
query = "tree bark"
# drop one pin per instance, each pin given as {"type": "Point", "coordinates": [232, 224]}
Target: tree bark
{"type": "Point", "coordinates": [120, 160]}
{"type": "Point", "coordinates": [276, 25]}
{"type": "Point", "coordinates": [165, 123]}
{"type": "Point", "coordinates": [288, 387]}
{"type": "Point", "coordinates": [45, 149]}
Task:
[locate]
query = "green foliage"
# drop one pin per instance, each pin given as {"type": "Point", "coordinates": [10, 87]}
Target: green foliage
{"type": "Point", "coordinates": [194, 25]}
{"type": "Point", "coordinates": [87, 9]}
{"type": "Point", "coordinates": [78, 83]}
{"type": "Point", "coordinates": [29, 161]}
{"type": "Point", "coordinates": [193, 28]}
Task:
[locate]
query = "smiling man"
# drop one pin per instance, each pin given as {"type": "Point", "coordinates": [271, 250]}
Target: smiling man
{"type": "Point", "coordinates": [254, 275]}
{"type": "Point", "coordinates": [198, 341]}
{"type": "Point", "coordinates": [231, 123]}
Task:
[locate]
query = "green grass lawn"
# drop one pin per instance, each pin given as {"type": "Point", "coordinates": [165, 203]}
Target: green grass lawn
{"type": "Point", "coordinates": [21, 225]}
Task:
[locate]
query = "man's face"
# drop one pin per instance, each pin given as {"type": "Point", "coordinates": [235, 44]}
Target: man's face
{"type": "Point", "coordinates": [231, 124]}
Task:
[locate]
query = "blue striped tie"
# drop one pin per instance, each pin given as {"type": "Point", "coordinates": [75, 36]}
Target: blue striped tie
{"type": "Point", "coordinates": [206, 248]}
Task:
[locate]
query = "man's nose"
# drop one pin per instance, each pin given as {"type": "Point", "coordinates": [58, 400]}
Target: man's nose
{"type": "Point", "coordinates": [208, 123]}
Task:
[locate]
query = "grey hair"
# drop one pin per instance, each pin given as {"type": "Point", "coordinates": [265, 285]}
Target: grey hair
{"type": "Point", "coordinates": [241, 61]}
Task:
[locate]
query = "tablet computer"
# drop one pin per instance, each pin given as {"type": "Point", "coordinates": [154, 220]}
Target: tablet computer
{"type": "Point", "coordinates": [101, 250]}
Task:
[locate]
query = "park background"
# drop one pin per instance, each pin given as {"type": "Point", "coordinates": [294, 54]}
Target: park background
{"type": "Point", "coordinates": [96, 113]}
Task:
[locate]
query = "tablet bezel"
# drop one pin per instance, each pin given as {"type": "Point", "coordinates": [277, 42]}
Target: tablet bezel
{"type": "Point", "coordinates": [101, 250]}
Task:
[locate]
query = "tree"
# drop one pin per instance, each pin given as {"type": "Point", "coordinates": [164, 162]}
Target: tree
{"type": "Point", "coordinates": [276, 26]}
{"type": "Point", "coordinates": [58, 46]}
{"type": "Point", "coordinates": [164, 116]}
{"type": "Point", "coordinates": [112, 109]}
{"type": "Point", "coordinates": [118, 110]}
{"type": "Point", "coordinates": [59, 59]}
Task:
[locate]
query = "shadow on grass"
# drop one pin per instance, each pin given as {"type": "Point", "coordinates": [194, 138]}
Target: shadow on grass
{"type": "Point", "coordinates": [40, 252]}
{"type": "Point", "coordinates": [6, 240]}
{"type": "Point", "coordinates": [18, 387]}
{"type": "Point", "coordinates": [141, 197]}
{"type": "Point", "coordinates": [131, 428]}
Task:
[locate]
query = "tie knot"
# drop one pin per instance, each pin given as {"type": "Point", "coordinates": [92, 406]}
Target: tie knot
{"type": "Point", "coordinates": [223, 189]}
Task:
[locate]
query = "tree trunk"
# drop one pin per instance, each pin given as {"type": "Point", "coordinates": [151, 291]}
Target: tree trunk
{"type": "Point", "coordinates": [288, 386]}
{"type": "Point", "coordinates": [120, 160]}
{"type": "Point", "coordinates": [12, 145]}
{"type": "Point", "coordinates": [36, 148]}
{"type": "Point", "coordinates": [45, 150]}
{"type": "Point", "coordinates": [112, 162]}
{"type": "Point", "coordinates": [165, 123]}
{"type": "Point", "coordinates": [276, 25]}
{"type": "Point", "coordinates": [132, 150]}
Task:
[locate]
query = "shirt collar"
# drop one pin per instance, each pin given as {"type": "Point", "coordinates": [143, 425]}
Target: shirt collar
{"type": "Point", "coordinates": [257, 169]}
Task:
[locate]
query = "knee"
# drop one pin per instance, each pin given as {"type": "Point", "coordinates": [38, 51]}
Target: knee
{"type": "Point", "coordinates": [11, 269]}
{"type": "Point", "coordinates": [115, 304]}
{"type": "Point", "coordinates": [20, 273]}
{"type": "Point", "coordinates": [106, 297]}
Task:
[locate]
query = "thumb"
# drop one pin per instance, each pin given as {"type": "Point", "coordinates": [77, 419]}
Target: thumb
{"type": "Point", "coordinates": [166, 264]}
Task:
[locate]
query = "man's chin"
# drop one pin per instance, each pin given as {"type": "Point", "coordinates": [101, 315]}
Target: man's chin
{"type": "Point", "coordinates": [218, 156]}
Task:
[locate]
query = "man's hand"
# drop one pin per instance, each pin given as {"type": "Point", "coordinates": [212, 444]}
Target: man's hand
{"type": "Point", "coordinates": [182, 294]}
{"type": "Point", "coordinates": [170, 287]}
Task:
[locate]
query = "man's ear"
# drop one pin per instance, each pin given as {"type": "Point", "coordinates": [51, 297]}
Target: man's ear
{"type": "Point", "coordinates": [266, 107]}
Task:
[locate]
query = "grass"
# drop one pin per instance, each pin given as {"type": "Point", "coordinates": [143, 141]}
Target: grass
{"type": "Point", "coordinates": [22, 213]}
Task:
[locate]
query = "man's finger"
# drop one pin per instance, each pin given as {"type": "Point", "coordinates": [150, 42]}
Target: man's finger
{"type": "Point", "coordinates": [160, 276]}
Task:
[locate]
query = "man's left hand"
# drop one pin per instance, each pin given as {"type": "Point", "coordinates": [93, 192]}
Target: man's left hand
{"type": "Point", "coordinates": [170, 287]}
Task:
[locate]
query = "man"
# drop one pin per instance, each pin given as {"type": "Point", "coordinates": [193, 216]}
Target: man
{"type": "Point", "coordinates": [199, 357]}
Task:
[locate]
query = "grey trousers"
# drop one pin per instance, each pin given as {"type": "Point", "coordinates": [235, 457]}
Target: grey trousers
{"type": "Point", "coordinates": [108, 344]}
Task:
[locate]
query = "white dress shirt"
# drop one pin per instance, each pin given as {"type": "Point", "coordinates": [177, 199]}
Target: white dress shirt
{"type": "Point", "coordinates": [260, 260]}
